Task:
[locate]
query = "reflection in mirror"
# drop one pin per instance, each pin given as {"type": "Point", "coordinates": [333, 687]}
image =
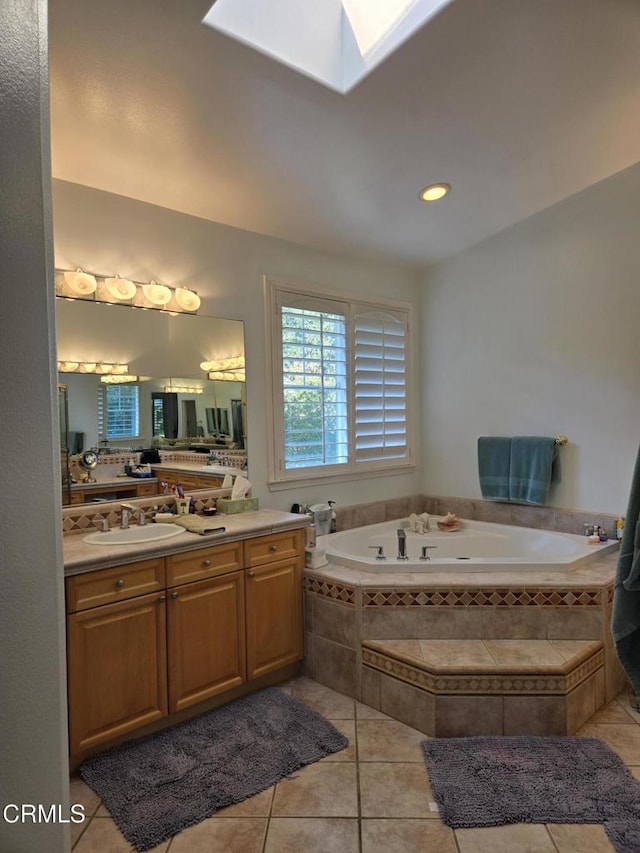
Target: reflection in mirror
{"type": "Point", "coordinates": [171, 404]}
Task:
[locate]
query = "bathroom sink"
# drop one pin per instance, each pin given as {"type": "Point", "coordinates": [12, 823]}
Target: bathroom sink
{"type": "Point", "coordinates": [131, 535]}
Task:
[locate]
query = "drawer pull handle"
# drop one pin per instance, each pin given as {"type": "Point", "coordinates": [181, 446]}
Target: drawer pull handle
{"type": "Point", "coordinates": [120, 583]}
{"type": "Point", "coordinates": [251, 574]}
{"type": "Point", "coordinates": [162, 599]}
{"type": "Point", "coordinates": [206, 563]}
{"type": "Point", "coordinates": [273, 547]}
{"type": "Point", "coordinates": [174, 595]}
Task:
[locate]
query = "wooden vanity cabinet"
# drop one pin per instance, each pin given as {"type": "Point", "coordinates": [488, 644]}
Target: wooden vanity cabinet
{"type": "Point", "coordinates": [206, 639]}
{"type": "Point", "coordinates": [117, 669]}
{"type": "Point", "coordinates": [124, 490]}
{"type": "Point", "coordinates": [274, 601]}
{"type": "Point", "coordinates": [151, 638]}
{"type": "Point", "coordinates": [188, 480]}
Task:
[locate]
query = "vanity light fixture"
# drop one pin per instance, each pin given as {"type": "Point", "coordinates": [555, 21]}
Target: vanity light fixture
{"type": "Point", "coordinates": [80, 283]}
{"type": "Point", "coordinates": [120, 288]}
{"type": "Point", "coordinates": [157, 294]}
{"type": "Point", "coordinates": [101, 368]}
{"type": "Point", "coordinates": [227, 375]}
{"type": "Point", "coordinates": [118, 379]}
{"type": "Point", "coordinates": [187, 299]}
{"type": "Point", "coordinates": [434, 192]}
{"type": "Point", "coordinates": [182, 389]}
{"type": "Point", "coordinates": [235, 362]}
{"type": "Point", "coordinates": [113, 290]}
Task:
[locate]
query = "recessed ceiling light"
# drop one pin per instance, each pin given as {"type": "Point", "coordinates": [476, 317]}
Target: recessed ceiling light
{"type": "Point", "coordinates": [434, 192]}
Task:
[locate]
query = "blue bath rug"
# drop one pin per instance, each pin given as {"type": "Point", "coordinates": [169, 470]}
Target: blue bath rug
{"type": "Point", "coordinates": [494, 781]}
{"type": "Point", "coordinates": [159, 785]}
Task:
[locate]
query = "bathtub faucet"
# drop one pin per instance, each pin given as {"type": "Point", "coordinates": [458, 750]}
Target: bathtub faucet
{"type": "Point", "coordinates": [379, 551]}
{"type": "Point", "coordinates": [402, 544]}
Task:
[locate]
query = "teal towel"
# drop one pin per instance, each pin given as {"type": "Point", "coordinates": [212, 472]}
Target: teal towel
{"type": "Point", "coordinates": [494, 460]}
{"type": "Point", "coordinates": [625, 615]}
{"type": "Point", "coordinates": [531, 468]}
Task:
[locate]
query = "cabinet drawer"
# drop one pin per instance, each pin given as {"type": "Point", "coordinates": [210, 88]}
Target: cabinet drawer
{"type": "Point", "coordinates": [106, 586]}
{"type": "Point", "coordinates": [276, 546]}
{"type": "Point", "coordinates": [204, 563]}
{"type": "Point", "coordinates": [205, 482]}
{"type": "Point", "coordinates": [147, 489]}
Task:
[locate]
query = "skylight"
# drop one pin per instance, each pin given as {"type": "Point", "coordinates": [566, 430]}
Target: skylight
{"type": "Point", "coordinates": [336, 42]}
{"type": "Point", "coordinates": [372, 22]}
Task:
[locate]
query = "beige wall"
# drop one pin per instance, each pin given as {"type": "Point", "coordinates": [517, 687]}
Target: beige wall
{"type": "Point", "coordinates": [106, 233]}
{"type": "Point", "coordinates": [536, 331]}
{"type": "Point", "coordinates": [33, 741]}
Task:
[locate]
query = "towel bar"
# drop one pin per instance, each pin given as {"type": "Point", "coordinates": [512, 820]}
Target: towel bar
{"type": "Point", "coordinates": [561, 439]}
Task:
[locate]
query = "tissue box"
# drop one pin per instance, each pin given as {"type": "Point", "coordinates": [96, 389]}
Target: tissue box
{"type": "Point", "coordinates": [230, 507]}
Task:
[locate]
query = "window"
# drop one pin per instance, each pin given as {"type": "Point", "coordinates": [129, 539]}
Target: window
{"type": "Point", "coordinates": [340, 384]}
{"type": "Point", "coordinates": [118, 411]}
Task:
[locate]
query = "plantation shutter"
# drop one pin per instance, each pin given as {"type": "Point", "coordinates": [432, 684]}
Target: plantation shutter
{"type": "Point", "coordinates": [380, 386]}
{"type": "Point", "coordinates": [102, 410]}
{"type": "Point", "coordinates": [314, 382]}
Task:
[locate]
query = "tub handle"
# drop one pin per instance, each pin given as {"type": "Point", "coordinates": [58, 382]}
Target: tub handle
{"type": "Point", "coordinates": [380, 551]}
{"type": "Point", "coordinates": [425, 551]}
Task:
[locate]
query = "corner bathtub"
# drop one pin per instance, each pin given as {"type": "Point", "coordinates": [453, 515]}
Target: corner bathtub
{"type": "Point", "coordinates": [477, 547]}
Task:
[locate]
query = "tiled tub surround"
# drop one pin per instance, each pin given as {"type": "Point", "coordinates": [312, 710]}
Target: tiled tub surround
{"type": "Point", "coordinates": [350, 614]}
{"type": "Point", "coordinates": [546, 518]}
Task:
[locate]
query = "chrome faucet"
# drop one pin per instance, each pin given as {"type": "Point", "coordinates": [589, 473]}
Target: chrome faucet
{"type": "Point", "coordinates": [402, 544]}
{"type": "Point", "coordinates": [379, 551]}
{"type": "Point", "coordinates": [126, 510]}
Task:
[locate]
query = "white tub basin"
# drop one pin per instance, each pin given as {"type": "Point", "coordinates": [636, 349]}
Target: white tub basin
{"type": "Point", "coordinates": [131, 535]}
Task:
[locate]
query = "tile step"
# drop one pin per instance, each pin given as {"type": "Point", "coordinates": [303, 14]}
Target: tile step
{"type": "Point", "coordinates": [463, 688]}
{"type": "Point", "coordinates": [494, 667]}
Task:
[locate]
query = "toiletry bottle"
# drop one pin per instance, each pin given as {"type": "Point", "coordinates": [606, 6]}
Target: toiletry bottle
{"type": "Point", "coordinates": [619, 527]}
{"type": "Point", "coordinates": [332, 528]}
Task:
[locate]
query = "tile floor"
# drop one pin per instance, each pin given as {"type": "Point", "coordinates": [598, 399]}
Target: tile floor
{"type": "Point", "coordinates": [373, 797]}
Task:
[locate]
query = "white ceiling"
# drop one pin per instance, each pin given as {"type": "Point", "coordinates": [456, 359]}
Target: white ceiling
{"type": "Point", "coordinates": [516, 103]}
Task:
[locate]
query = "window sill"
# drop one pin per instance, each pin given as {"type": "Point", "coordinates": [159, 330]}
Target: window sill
{"type": "Point", "coordinates": [350, 477]}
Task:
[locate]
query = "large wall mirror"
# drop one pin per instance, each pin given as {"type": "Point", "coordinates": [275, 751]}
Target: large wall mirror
{"type": "Point", "coordinates": [178, 404]}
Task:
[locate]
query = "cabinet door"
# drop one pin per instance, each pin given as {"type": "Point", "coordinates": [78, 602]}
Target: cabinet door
{"type": "Point", "coordinates": [206, 639]}
{"type": "Point", "coordinates": [117, 662]}
{"type": "Point", "coordinates": [274, 616]}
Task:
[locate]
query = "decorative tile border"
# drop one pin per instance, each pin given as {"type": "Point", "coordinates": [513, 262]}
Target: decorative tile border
{"type": "Point", "coordinates": [483, 683]}
{"type": "Point", "coordinates": [558, 597]}
{"type": "Point", "coordinates": [330, 589]}
{"type": "Point", "coordinates": [80, 518]}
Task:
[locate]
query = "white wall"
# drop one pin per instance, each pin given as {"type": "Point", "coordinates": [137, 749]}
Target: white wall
{"type": "Point", "coordinates": [105, 233]}
{"type": "Point", "coordinates": [33, 742]}
{"type": "Point", "coordinates": [536, 331]}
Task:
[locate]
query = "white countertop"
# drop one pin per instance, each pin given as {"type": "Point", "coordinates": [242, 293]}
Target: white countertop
{"type": "Point", "coordinates": [80, 556]}
{"type": "Point", "coordinates": [196, 468]}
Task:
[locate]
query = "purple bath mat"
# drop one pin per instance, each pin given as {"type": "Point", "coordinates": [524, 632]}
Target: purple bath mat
{"type": "Point", "coordinates": [160, 785]}
{"type": "Point", "coordinates": [493, 781]}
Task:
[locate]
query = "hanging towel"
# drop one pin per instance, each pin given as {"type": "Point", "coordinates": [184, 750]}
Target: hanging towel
{"type": "Point", "coordinates": [532, 468]}
{"type": "Point", "coordinates": [625, 616]}
{"type": "Point", "coordinates": [494, 460]}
